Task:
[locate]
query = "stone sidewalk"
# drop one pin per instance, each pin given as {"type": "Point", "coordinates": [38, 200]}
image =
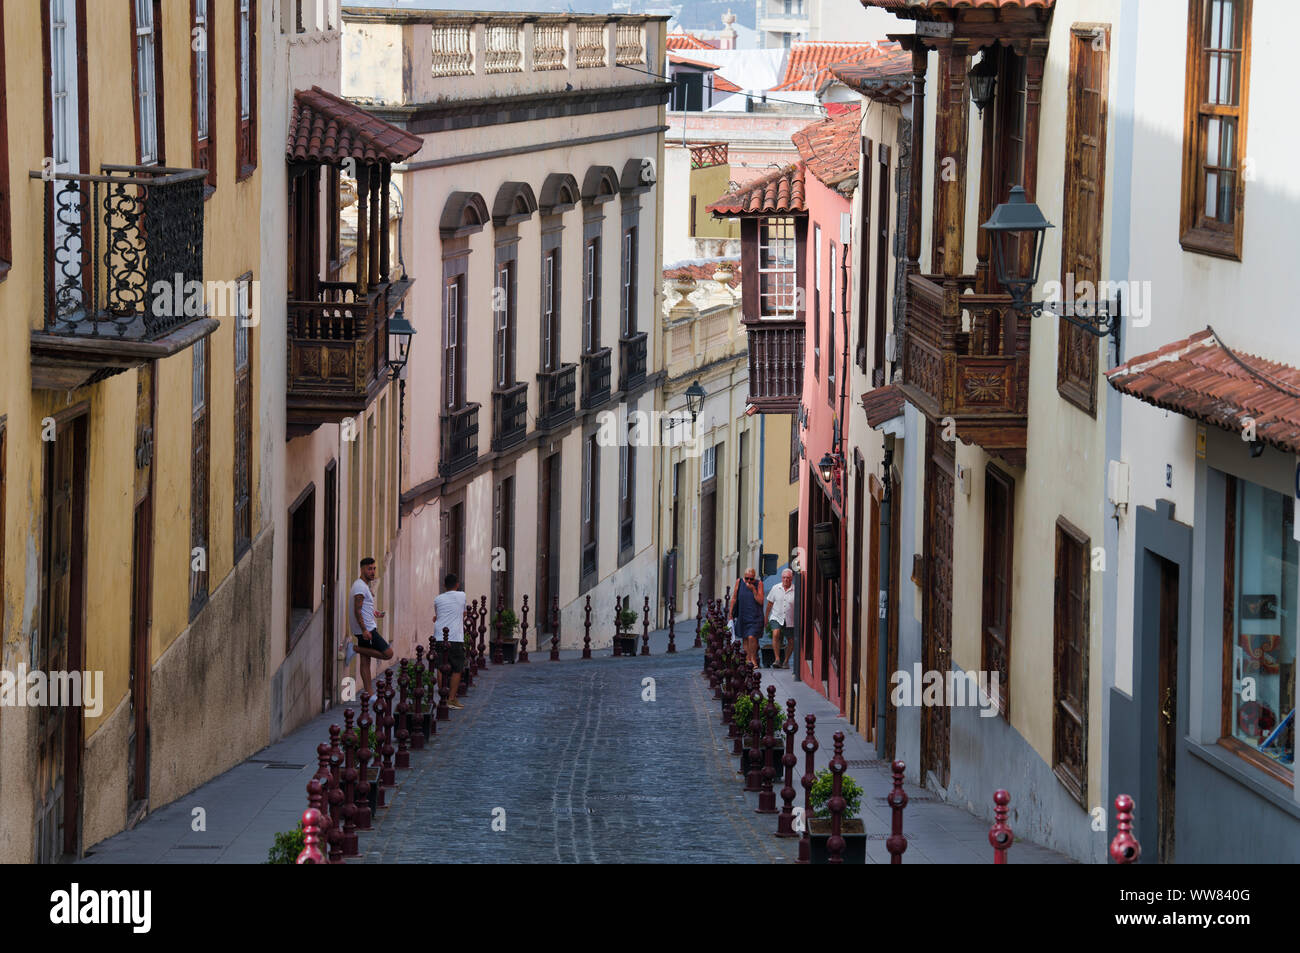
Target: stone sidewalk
{"type": "Point", "coordinates": [584, 769]}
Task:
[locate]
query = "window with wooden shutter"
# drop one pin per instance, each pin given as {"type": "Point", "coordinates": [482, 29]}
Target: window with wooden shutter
{"type": "Point", "coordinates": [881, 229]}
{"type": "Point", "coordinates": [6, 235]}
{"type": "Point", "coordinates": [999, 527]}
{"type": "Point", "coordinates": [1084, 208]}
{"type": "Point", "coordinates": [200, 430]}
{"type": "Point", "coordinates": [550, 301]}
{"type": "Point", "coordinates": [203, 91]}
{"type": "Point", "coordinates": [246, 79]}
{"type": "Point", "coordinates": [452, 351]}
{"type": "Point", "coordinates": [864, 252]}
{"type": "Point", "coordinates": [243, 513]}
{"type": "Point", "coordinates": [1214, 126]}
{"type": "Point", "coordinates": [832, 317]}
{"type": "Point", "coordinates": [503, 307]}
{"type": "Point", "coordinates": [1070, 661]}
{"type": "Point", "coordinates": [591, 296]}
{"type": "Point", "coordinates": [628, 302]}
{"type": "Point", "coordinates": [147, 74]}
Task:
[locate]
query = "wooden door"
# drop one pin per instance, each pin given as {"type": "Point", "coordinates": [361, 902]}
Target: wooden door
{"type": "Point", "coordinates": [330, 571]}
{"type": "Point", "coordinates": [872, 608]}
{"type": "Point", "coordinates": [548, 566]}
{"type": "Point", "coordinates": [936, 636]}
{"type": "Point", "coordinates": [59, 733]}
{"type": "Point", "coordinates": [1167, 712]}
{"type": "Point", "coordinates": [1083, 209]}
{"type": "Point", "coordinates": [141, 585]}
{"type": "Point", "coordinates": [708, 538]}
{"type": "Point", "coordinates": [891, 637]}
{"type": "Point", "coordinates": [855, 636]}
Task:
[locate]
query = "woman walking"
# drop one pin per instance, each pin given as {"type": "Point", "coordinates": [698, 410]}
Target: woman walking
{"type": "Point", "coordinates": [747, 609]}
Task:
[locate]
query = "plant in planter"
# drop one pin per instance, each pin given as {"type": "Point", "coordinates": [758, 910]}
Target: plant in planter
{"type": "Point", "coordinates": [288, 845]}
{"type": "Point", "coordinates": [504, 624]}
{"type": "Point", "coordinates": [627, 620]}
{"type": "Point", "coordinates": [741, 711]}
{"type": "Point", "coordinates": [852, 829]}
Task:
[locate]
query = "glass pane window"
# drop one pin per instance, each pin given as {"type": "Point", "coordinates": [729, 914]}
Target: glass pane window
{"type": "Point", "coordinates": [776, 268]}
{"type": "Point", "coordinates": [148, 103]}
{"type": "Point", "coordinates": [244, 59]}
{"type": "Point", "coordinates": [201, 71]}
{"type": "Point", "coordinates": [1264, 615]}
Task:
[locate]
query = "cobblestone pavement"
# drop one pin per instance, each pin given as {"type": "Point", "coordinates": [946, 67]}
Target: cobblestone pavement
{"type": "Point", "coordinates": [585, 770]}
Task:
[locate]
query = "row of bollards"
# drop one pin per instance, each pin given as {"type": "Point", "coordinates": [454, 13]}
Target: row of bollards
{"type": "Point", "coordinates": [732, 677]}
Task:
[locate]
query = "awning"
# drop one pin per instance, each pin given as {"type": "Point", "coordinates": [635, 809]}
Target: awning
{"type": "Point", "coordinates": [882, 404]}
{"type": "Point", "coordinates": [1201, 378]}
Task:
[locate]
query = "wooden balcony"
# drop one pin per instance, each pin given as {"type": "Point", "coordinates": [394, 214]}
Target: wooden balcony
{"type": "Point", "coordinates": [776, 353]}
{"type": "Point", "coordinates": [556, 391]}
{"type": "Point", "coordinates": [632, 359]}
{"type": "Point", "coordinates": [338, 351]}
{"type": "Point", "coordinates": [966, 356]}
{"type": "Point", "coordinates": [459, 440]}
{"type": "Point", "coordinates": [509, 416]}
{"type": "Point", "coordinates": [123, 275]}
{"type": "Point", "coordinates": [595, 378]}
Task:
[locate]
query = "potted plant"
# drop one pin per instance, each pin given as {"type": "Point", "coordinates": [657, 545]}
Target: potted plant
{"type": "Point", "coordinates": [852, 829]}
{"type": "Point", "coordinates": [504, 624]}
{"type": "Point", "coordinates": [627, 618]}
{"type": "Point", "coordinates": [741, 711]}
{"type": "Point", "coordinates": [288, 845]}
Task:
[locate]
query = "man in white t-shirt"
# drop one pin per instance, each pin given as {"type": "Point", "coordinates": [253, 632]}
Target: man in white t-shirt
{"type": "Point", "coordinates": [780, 616]}
{"type": "Point", "coordinates": [364, 624]}
{"type": "Point", "coordinates": [449, 613]}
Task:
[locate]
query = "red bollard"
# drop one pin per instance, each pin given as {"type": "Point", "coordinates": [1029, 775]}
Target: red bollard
{"type": "Point", "coordinates": [498, 656]}
{"type": "Point", "coordinates": [348, 778]}
{"type": "Point", "coordinates": [618, 611]}
{"type": "Point", "coordinates": [754, 776]}
{"type": "Point", "coordinates": [1124, 849]}
{"type": "Point", "coordinates": [785, 823]}
{"type": "Point", "coordinates": [417, 693]}
{"type": "Point", "coordinates": [586, 630]}
{"type": "Point", "coordinates": [555, 629]}
{"type": "Point", "coordinates": [444, 670]}
{"type": "Point", "coordinates": [767, 796]}
{"type": "Point", "coordinates": [403, 733]}
{"type": "Point", "coordinates": [523, 632]}
{"type": "Point", "coordinates": [809, 778]}
{"type": "Point", "coordinates": [325, 777]}
{"type": "Point", "coordinates": [482, 632]}
{"type": "Point", "coordinates": [1000, 835]}
{"type": "Point", "coordinates": [387, 777]}
{"type": "Point", "coordinates": [672, 621]}
{"type": "Point", "coordinates": [896, 843]}
{"type": "Point", "coordinates": [311, 821]}
{"type": "Point", "coordinates": [363, 764]}
{"type": "Point", "coordinates": [645, 628]}
{"type": "Point", "coordinates": [467, 675]}
{"type": "Point", "coordinates": [699, 611]}
{"type": "Point", "coordinates": [836, 804]}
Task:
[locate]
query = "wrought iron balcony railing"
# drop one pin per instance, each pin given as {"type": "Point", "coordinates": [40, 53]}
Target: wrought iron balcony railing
{"type": "Point", "coordinates": [632, 360]}
{"type": "Point", "coordinates": [595, 378]}
{"type": "Point", "coordinates": [123, 252]}
{"type": "Point", "coordinates": [556, 390]}
{"type": "Point", "coordinates": [509, 416]}
{"type": "Point", "coordinates": [459, 440]}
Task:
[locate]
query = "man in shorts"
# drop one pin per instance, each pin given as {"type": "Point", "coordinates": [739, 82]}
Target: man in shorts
{"type": "Point", "coordinates": [365, 628]}
{"type": "Point", "coordinates": [449, 613]}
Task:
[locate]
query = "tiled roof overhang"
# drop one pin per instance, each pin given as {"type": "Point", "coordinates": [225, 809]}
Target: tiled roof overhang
{"type": "Point", "coordinates": [1200, 378]}
{"type": "Point", "coordinates": [882, 404]}
{"type": "Point", "coordinates": [327, 129]}
{"type": "Point", "coordinates": [780, 192]}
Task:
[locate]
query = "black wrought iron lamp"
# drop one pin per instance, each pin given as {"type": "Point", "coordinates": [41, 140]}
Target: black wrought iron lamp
{"type": "Point", "coordinates": [1019, 217]}
{"type": "Point", "coordinates": [399, 343]}
{"type": "Point", "coordinates": [983, 77]}
{"type": "Point", "coordinates": [695, 400]}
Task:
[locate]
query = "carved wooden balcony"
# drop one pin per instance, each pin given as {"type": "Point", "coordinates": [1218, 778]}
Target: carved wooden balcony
{"type": "Point", "coordinates": [632, 360]}
{"type": "Point", "coordinates": [776, 353]}
{"type": "Point", "coordinates": [123, 272]}
{"type": "Point", "coordinates": [966, 356]}
{"type": "Point", "coordinates": [509, 416]}
{"type": "Point", "coordinates": [338, 351]}
{"type": "Point", "coordinates": [595, 378]}
{"type": "Point", "coordinates": [556, 391]}
{"type": "Point", "coordinates": [459, 440]}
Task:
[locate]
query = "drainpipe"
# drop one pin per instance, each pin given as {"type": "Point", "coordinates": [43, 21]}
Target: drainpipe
{"type": "Point", "coordinates": [883, 607]}
{"type": "Point", "coordinates": [762, 459]}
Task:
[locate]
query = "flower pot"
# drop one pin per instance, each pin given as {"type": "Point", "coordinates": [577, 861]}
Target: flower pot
{"type": "Point", "coordinates": [852, 830]}
{"type": "Point", "coordinates": [627, 644]}
{"type": "Point", "coordinates": [507, 650]}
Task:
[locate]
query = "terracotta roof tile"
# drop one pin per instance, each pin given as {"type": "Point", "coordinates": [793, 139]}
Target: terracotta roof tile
{"type": "Point", "coordinates": [781, 191]}
{"type": "Point", "coordinates": [829, 147]}
{"type": "Point", "coordinates": [688, 41]}
{"type": "Point", "coordinates": [326, 128]}
{"type": "Point", "coordinates": [1199, 378]}
{"type": "Point", "coordinates": [882, 404]}
{"type": "Point", "coordinates": [808, 65]}
{"type": "Point", "coordinates": [887, 78]}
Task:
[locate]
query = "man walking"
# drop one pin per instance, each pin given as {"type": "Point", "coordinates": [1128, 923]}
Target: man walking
{"type": "Point", "coordinates": [780, 613]}
{"type": "Point", "coordinates": [365, 628]}
{"type": "Point", "coordinates": [449, 606]}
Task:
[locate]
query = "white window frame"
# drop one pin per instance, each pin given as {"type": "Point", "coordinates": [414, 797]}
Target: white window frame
{"type": "Point", "coordinates": [502, 323]}
{"type": "Point", "coordinates": [708, 463]}
{"type": "Point", "coordinates": [202, 70]}
{"type": "Point", "coordinates": [245, 60]}
{"type": "Point", "coordinates": [589, 306]}
{"type": "Point", "coordinates": [146, 52]}
{"type": "Point", "coordinates": [451, 338]}
{"type": "Point", "coordinates": [63, 84]}
{"type": "Point", "coordinates": [781, 304]}
{"type": "Point", "coordinates": [548, 308]}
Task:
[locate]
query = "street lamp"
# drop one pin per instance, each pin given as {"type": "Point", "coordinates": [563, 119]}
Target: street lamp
{"type": "Point", "coordinates": [399, 342]}
{"type": "Point", "coordinates": [1017, 217]}
{"type": "Point", "coordinates": [695, 400]}
{"type": "Point", "coordinates": [826, 466]}
{"type": "Point", "coordinates": [983, 78]}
